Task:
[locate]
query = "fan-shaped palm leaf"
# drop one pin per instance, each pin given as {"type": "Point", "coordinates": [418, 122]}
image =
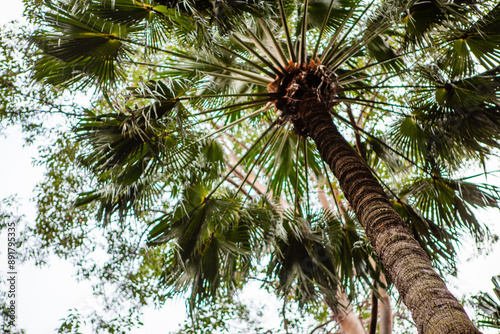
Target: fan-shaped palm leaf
{"type": "Point", "coordinates": [489, 307]}
{"type": "Point", "coordinates": [86, 42]}
{"type": "Point", "coordinates": [216, 241]}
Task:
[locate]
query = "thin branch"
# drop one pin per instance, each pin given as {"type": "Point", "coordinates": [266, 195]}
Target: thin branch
{"type": "Point", "coordinates": [198, 60]}
{"type": "Point", "coordinates": [280, 72]}
{"type": "Point", "coordinates": [387, 86]}
{"type": "Point", "coordinates": [243, 157]}
{"type": "Point", "coordinates": [358, 45]}
{"type": "Point", "coordinates": [261, 280]}
{"type": "Point", "coordinates": [248, 61]}
{"type": "Point", "coordinates": [343, 82]}
{"type": "Point", "coordinates": [261, 167]}
{"type": "Point", "coordinates": [334, 38]}
{"type": "Point", "coordinates": [297, 197]}
{"type": "Point", "coordinates": [276, 44]}
{"type": "Point", "coordinates": [321, 325]}
{"type": "Point", "coordinates": [256, 161]}
{"type": "Point", "coordinates": [237, 186]}
{"type": "Point", "coordinates": [303, 37]}
{"type": "Point", "coordinates": [413, 163]}
{"type": "Point", "coordinates": [307, 176]}
{"type": "Point", "coordinates": [240, 120]}
{"type": "Point", "coordinates": [243, 105]}
{"type": "Point", "coordinates": [374, 313]}
{"type": "Point", "coordinates": [280, 150]}
{"type": "Point", "coordinates": [345, 99]}
{"type": "Point", "coordinates": [241, 176]}
{"type": "Point", "coordinates": [370, 105]}
{"type": "Point", "coordinates": [329, 53]}
{"type": "Point", "coordinates": [357, 136]}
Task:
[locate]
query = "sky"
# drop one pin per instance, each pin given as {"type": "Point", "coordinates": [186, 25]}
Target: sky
{"type": "Point", "coordinates": [46, 294]}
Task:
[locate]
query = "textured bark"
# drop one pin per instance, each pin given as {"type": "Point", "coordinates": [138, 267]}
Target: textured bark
{"type": "Point", "coordinates": [433, 307]}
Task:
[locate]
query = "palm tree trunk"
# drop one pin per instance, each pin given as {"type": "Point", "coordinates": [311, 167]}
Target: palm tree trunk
{"type": "Point", "coordinates": [433, 307]}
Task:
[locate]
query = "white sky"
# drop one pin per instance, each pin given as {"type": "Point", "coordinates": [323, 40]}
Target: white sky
{"type": "Point", "coordinates": [46, 294]}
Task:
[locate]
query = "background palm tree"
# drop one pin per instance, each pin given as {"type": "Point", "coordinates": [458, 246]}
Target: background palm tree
{"type": "Point", "coordinates": [282, 73]}
{"type": "Point", "coordinates": [489, 307]}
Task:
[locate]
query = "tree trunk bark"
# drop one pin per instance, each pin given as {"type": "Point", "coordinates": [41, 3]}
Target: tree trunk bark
{"type": "Point", "coordinates": [385, 309]}
{"type": "Point", "coordinates": [374, 314]}
{"type": "Point", "coordinates": [347, 320]}
{"type": "Point", "coordinates": [385, 323]}
{"type": "Point", "coordinates": [433, 307]}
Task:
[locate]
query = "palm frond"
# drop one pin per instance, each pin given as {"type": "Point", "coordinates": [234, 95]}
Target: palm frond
{"type": "Point", "coordinates": [314, 254]}
{"type": "Point", "coordinates": [84, 42]}
{"type": "Point", "coordinates": [489, 307]}
{"type": "Point", "coordinates": [422, 17]}
{"type": "Point", "coordinates": [216, 241]}
{"type": "Point", "coordinates": [457, 119]}
{"type": "Point", "coordinates": [449, 203]}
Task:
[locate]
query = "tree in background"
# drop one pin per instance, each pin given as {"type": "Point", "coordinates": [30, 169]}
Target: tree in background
{"type": "Point", "coordinates": [183, 134]}
{"type": "Point", "coordinates": [489, 308]}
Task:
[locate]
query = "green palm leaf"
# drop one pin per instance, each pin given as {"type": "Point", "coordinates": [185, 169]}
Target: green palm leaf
{"type": "Point", "coordinates": [489, 307]}
{"type": "Point", "coordinates": [421, 17]}
{"type": "Point", "coordinates": [449, 203]}
{"type": "Point", "coordinates": [451, 120]}
{"type": "Point", "coordinates": [315, 254]}
{"type": "Point", "coordinates": [478, 41]}
{"type": "Point", "coordinates": [216, 240]}
{"type": "Point", "coordinates": [89, 44]}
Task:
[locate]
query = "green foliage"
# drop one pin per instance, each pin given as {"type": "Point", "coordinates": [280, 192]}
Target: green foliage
{"type": "Point", "coordinates": [226, 314]}
{"type": "Point", "coordinates": [488, 307]}
{"type": "Point", "coordinates": [23, 102]}
{"type": "Point", "coordinates": [78, 46]}
{"type": "Point", "coordinates": [58, 223]}
{"type": "Point", "coordinates": [71, 324]}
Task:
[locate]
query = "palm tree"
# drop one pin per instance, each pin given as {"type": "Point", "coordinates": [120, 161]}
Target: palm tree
{"type": "Point", "coordinates": [489, 307]}
{"type": "Point", "coordinates": [428, 68]}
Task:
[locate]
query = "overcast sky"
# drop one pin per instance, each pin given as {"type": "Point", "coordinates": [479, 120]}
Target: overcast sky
{"type": "Point", "coordinates": [46, 294]}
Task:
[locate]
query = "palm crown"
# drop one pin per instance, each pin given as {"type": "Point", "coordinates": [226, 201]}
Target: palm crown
{"type": "Point", "coordinates": [231, 103]}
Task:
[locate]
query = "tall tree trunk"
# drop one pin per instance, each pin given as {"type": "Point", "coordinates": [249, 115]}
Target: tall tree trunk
{"type": "Point", "coordinates": [345, 317]}
{"type": "Point", "coordinates": [385, 323]}
{"type": "Point", "coordinates": [385, 309]}
{"type": "Point", "coordinates": [433, 307]}
{"type": "Point", "coordinates": [374, 314]}
{"type": "Point", "coordinates": [348, 321]}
